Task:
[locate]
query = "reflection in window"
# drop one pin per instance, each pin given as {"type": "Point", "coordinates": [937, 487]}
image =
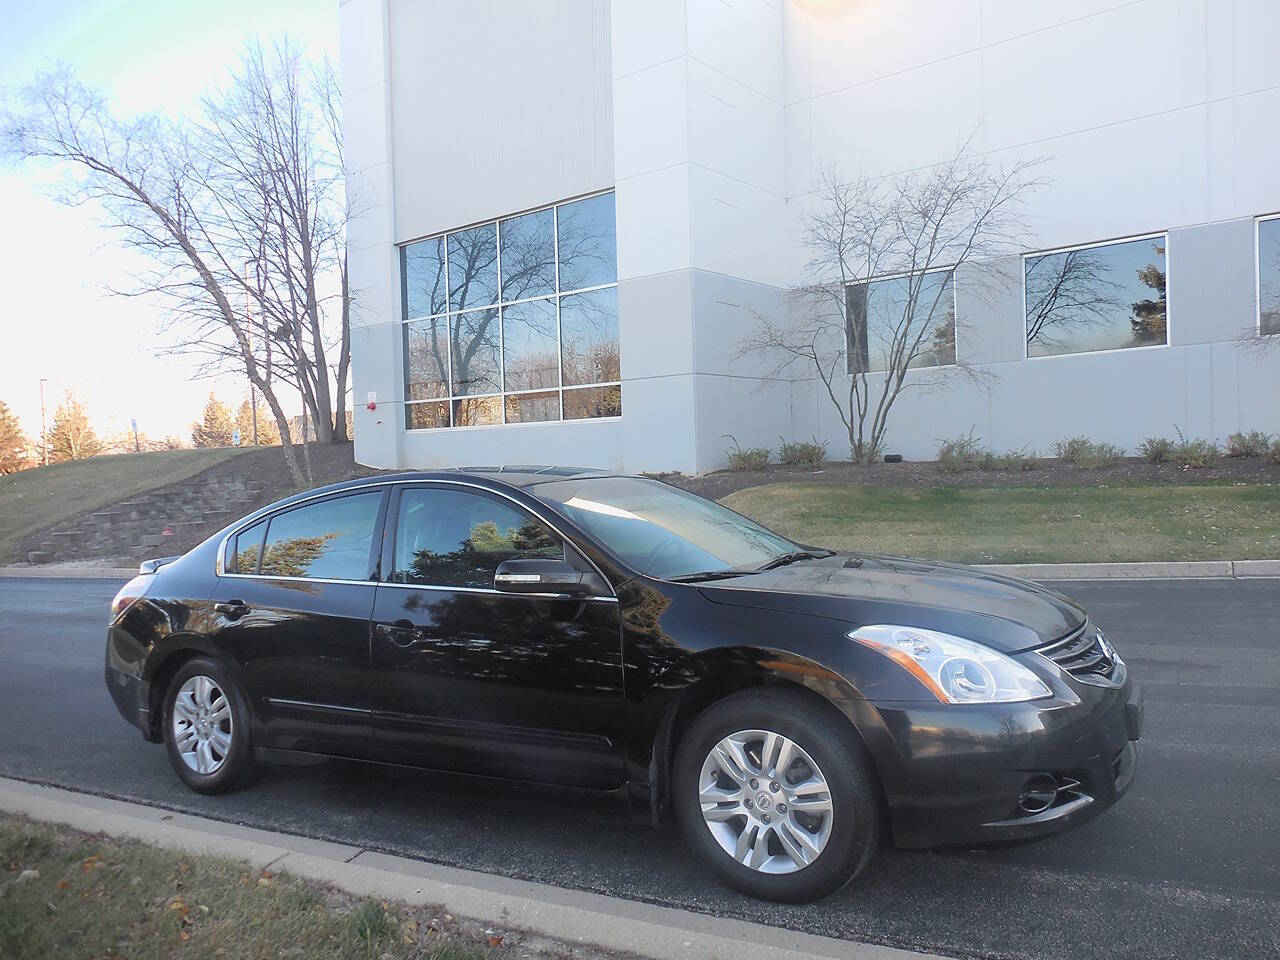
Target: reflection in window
{"type": "Point", "coordinates": [909, 316]}
{"type": "Point", "coordinates": [1105, 297]}
{"type": "Point", "coordinates": [330, 539]}
{"type": "Point", "coordinates": [456, 538]}
{"type": "Point", "coordinates": [526, 305]}
{"type": "Point", "coordinates": [245, 549]}
{"type": "Point", "coordinates": [1269, 276]}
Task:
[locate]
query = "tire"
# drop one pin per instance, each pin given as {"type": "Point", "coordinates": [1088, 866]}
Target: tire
{"type": "Point", "coordinates": [846, 836]}
{"type": "Point", "coordinates": [205, 686]}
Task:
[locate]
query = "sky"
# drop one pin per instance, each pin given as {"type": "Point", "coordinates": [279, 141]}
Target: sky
{"type": "Point", "coordinates": [57, 262]}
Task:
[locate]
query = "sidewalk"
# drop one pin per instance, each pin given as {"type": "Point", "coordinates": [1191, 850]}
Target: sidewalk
{"type": "Point", "coordinates": [663, 933]}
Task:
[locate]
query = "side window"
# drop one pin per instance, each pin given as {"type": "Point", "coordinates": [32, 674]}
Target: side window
{"type": "Point", "coordinates": [330, 539]}
{"type": "Point", "coordinates": [456, 538]}
{"type": "Point", "coordinates": [243, 550]}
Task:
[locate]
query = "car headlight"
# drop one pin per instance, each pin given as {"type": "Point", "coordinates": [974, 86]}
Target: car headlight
{"type": "Point", "coordinates": [955, 670]}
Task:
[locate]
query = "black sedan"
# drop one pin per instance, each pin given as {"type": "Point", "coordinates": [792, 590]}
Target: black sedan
{"type": "Point", "coordinates": [791, 706]}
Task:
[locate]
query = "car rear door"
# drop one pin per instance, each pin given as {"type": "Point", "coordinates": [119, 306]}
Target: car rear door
{"type": "Point", "coordinates": [472, 679]}
{"type": "Point", "coordinates": [293, 603]}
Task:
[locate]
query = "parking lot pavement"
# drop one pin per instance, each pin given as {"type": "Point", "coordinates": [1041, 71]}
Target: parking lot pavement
{"type": "Point", "coordinates": [1184, 866]}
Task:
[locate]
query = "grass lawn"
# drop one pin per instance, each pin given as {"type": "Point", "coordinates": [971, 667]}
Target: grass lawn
{"type": "Point", "coordinates": [32, 499]}
{"type": "Point", "coordinates": [99, 897]}
{"type": "Point", "coordinates": [1011, 524]}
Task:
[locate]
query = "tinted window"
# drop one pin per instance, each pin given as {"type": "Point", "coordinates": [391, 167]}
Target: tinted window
{"type": "Point", "coordinates": [330, 539]}
{"type": "Point", "coordinates": [242, 555]}
{"type": "Point", "coordinates": [1269, 276]}
{"type": "Point", "coordinates": [911, 316]}
{"type": "Point", "coordinates": [456, 538]}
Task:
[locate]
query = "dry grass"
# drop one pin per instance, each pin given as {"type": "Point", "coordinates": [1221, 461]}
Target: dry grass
{"type": "Point", "coordinates": [1026, 524]}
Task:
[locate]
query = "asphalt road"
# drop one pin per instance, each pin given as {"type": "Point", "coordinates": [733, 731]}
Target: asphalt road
{"type": "Point", "coordinates": [1187, 865]}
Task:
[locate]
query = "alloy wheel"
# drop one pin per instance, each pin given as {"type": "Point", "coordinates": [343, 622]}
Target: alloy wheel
{"type": "Point", "coordinates": [765, 801]}
{"type": "Point", "coordinates": [202, 725]}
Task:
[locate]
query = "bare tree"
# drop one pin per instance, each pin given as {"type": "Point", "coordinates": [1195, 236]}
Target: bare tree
{"type": "Point", "coordinates": [258, 183]}
{"type": "Point", "coordinates": [883, 258]}
{"type": "Point", "coordinates": [1067, 290]}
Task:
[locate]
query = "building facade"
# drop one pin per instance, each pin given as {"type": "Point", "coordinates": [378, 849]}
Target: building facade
{"type": "Point", "coordinates": [570, 213]}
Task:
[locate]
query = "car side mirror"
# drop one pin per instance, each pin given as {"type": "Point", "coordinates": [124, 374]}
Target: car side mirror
{"type": "Point", "coordinates": [538, 576]}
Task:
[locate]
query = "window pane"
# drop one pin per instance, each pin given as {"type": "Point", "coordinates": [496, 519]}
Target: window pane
{"type": "Point", "coordinates": [473, 267]}
{"type": "Point", "coordinates": [532, 407]}
{"type": "Point", "coordinates": [426, 416]}
{"type": "Point", "coordinates": [529, 345]}
{"type": "Point", "coordinates": [426, 359]}
{"type": "Point", "coordinates": [587, 402]}
{"type": "Point", "coordinates": [475, 352]}
{"type": "Point", "coordinates": [585, 239]}
{"type": "Point", "coordinates": [454, 538]}
{"type": "Point", "coordinates": [528, 255]}
{"type": "Point", "coordinates": [1098, 298]}
{"type": "Point", "coordinates": [422, 266]}
{"type": "Point", "coordinates": [589, 336]}
{"type": "Point", "coordinates": [330, 539]}
{"type": "Point", "coordinates": [245, 549]}
{"type": "Point", "coordinates": [477, 411]}
{"type": "Point", "coordinates": [912, 317]}
{"type": "Point", "coordinates": [1269, 276]}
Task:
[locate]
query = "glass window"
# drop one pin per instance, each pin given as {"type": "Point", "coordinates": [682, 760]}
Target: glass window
{"type": "Point", "coordinates": [528, 256]}
{"type": "Point", "coordinates": [423, 267]}
{"type": "Point", "coordinates": [585, 241]}
{"type": "Point", "coordinates": [502, 318]}
{"type": "Point", "coordinates": [1269, 276]}
{"type": "Point", "coordinates": [473, 267]}
{"type": "Point", "coordinates": [529, 346]}
{"type": "Point", "coordinates": [330, 539]}
{"type": "Point", "coordinates": [589, 337]}
{"type": "Point", "coordinates": [910, 316]}
{"type": "Point", "coordinates": [1104, 297]}
{"type": "Point", "coordinates": [456, 538]}
{"type": "Point", "coordinates": [244, 549]}
{"type": "Point", "coordinates": [663, 531]}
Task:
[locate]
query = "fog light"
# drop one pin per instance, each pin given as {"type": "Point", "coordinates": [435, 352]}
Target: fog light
{"type": "Point", "coordinates": [1038, 794]}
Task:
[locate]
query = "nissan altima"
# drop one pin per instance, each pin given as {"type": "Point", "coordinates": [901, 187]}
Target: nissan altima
{"type": "Point", "coordinates": [789, 706]}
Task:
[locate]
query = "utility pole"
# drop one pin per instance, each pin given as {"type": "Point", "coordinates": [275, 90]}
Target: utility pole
{"type": "Point", "coordinates": [44, 433]}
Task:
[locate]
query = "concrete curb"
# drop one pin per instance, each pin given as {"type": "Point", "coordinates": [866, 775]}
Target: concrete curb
{"type": "Point", "coordinates": [1031, 571]}
{"type": "Point", "coordinates": [663, 933]}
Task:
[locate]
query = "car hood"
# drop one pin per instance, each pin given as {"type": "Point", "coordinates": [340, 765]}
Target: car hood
{"type": "Point", "coordinates": [1003, 612]}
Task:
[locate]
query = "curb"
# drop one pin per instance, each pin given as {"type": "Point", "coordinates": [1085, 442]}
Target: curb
{"type": "Point", "coordinates": [663, 933]}
{"type": "Point", "coordinates": [71, 573]}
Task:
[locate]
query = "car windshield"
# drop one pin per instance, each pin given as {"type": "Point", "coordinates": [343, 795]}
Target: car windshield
{"type": "Point", "coordinates": [662, 531]}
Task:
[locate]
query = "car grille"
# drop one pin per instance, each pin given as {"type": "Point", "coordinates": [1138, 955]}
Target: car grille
{"type": "Point", "coordinates": [1083, 654]}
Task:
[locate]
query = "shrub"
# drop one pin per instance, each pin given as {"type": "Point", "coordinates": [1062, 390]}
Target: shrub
{"type": "Point", "coordinates": [1072, 448]}
{"type": "Point", "coordinates": [747, 458]}
{"type": "Point", "coordinates": [1197, 453]}
{"type": "Point", "coordinates": [800, 452]}
{"type": "Point", "coordinates": [1083, 452]}
{"type": "Point", "coordinates": [1156, 449]}
{"type": "Point", "coordinates": [1016, 461]}
{"type": "Point", "coordinates": [1251, 444]}
{"type": "Point", "coordinates": [1275, 450]}
{"type": "Point", "coordinates": [962, 453]}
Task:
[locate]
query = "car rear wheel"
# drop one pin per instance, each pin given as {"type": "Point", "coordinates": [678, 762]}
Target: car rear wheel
{"type": "Point", "coordinates": [775, 794]}
{"type": "Point", "coordinates": [206, 728]}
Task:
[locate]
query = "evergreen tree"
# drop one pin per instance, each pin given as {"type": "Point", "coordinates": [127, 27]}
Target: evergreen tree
{"type": "Point", "coordinates": [71, 437]}
{"type": "Point", "coordinates": [268, 432]}
{"type": "Point", "coordinates": [215, 428]}
{"type": "Point", "coordinates": [13, 442]}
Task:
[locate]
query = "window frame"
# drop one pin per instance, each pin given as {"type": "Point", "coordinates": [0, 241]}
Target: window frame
{"type": "Point", "coordinates": [955, 316]}
{"type": "Point", "coordinates": [555, 295]}
{"type": "Point", "coordinates": [1257, 273]}
{"type": "Point", "coordinates": [1113, 241]}
{"type": "Point", "coordinates": [386, 558]}
{"type": "Point", "coordinates": [375, 546]}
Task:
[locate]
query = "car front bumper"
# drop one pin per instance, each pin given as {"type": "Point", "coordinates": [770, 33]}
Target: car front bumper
{"type": "Point", "coordinates": [955, 774]}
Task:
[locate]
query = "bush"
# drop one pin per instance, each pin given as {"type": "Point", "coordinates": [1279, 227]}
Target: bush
{"type": "Point", "coordinates": [794, 454]}
{"type": "Point", "coordinates": [1016, 461]}
{"type": "Point", "coordinates": [1251, 444]}
{"type": "Point", "coordinates": [1156, 449]}
{"type": "Point", "coordinates": [1197, 453]}
{"type": "Point", "coordinates": [1083, 452]}
{"type": "Point", "coordinates": [1275, 450]}
{"type": "Point", "coordinates": [747, 458]}
{"type": "Point", "coordinates": [962, 453]}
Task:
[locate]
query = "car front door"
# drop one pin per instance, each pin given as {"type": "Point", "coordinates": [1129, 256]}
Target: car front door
{"type": "Point", "coordinates": [472, 679]}
{"type": "Point", "coordinates": [293, 603]}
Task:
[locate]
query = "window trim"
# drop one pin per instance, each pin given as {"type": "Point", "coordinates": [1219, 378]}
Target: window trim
{"type": "Point", "coordinates": [955, 316]}
{"type": "Point", "coordinates": [555, 296]}
{"type": "Point", "coordinates": [1168, 295]}
{"type": "Point", "coordinates": [1257, 274]}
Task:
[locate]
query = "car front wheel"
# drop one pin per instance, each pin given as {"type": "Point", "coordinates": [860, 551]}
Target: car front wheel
{"type": "Point", "coordinates": [206, 727]}
{"type": "Point", "coordinates": [776, 796]}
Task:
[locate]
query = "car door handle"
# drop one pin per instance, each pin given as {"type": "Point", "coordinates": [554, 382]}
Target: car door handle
{"type": "Point", "coordinates": [232, 609]}
{"type": "Point", "coordinates": [402, 633]}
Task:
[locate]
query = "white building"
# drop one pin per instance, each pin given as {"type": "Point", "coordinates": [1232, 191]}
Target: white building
{"type": "Point", "coordinates": [693, 129]}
